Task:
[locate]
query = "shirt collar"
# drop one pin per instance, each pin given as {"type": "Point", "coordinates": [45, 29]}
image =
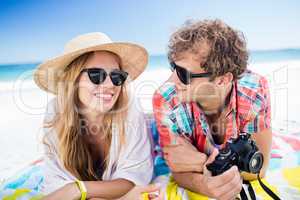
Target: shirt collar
{"type": "Point", "coordinates": [232, 102]}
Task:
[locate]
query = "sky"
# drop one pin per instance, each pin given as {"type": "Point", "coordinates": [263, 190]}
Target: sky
{"type": "Point", "coordinates": [34, 30]}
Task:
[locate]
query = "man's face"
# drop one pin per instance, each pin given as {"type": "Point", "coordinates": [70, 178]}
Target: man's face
{"type": "Point", "coordinates": [209, 94]}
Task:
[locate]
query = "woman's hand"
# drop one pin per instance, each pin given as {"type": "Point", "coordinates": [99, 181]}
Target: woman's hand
{"type": "Point", "coordinates": [184, 157]}
{"type": "Point", "coordinates": [136, 193]}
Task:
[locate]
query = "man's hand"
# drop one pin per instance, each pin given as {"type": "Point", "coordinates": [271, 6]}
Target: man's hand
{"type": "Point", "coordinates": [224, 186]}
{"type": "Point", "coordinates": [184, 157]}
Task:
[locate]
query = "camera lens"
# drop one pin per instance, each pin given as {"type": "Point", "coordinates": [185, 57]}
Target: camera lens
{"type": "Point", "coordinates": [256, 163]}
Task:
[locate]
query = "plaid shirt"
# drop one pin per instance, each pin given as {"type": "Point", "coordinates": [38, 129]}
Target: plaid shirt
{"type": "Point", "coordinates": [248, 111]}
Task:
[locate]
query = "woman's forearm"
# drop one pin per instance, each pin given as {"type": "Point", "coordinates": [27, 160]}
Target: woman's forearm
{"type": "Point", "coordinates": [113, 189]}
{"type": "Point", "coordinates": [108, 189]}
{"type": "Point", "coordinates": [68, 192]}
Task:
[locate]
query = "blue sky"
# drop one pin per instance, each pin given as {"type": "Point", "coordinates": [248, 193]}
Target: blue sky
{"type": "Point", "coordinates": [34, 30]}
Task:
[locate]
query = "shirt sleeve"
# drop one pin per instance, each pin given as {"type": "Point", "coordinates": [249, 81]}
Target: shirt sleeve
{"type": "Point", "coordinates": [160, 111]}
{"type": "Point", "coordinates": [135, 162]}
{"type": "Point", "coordinates": [55, 175]}
{"type": "Point", "coordinates": [261, 110]}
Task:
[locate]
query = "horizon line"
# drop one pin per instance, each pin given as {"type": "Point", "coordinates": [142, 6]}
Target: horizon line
{"type": "Point", "coordinates": [160, 54]}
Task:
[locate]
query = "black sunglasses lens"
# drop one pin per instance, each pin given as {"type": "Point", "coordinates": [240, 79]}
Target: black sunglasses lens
{"type": "Point", "coordinates": [97, 76]}
{"type": "Point", "coordinates": [183, 75]}
{"type": "Point", "coordinates": [118, 77]}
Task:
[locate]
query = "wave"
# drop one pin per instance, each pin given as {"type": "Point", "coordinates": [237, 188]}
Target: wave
{"type": "Point", "coordinates": [14, 85]}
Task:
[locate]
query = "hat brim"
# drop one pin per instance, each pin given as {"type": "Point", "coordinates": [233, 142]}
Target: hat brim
{"type": "Point", "coordinates": [134, 59]}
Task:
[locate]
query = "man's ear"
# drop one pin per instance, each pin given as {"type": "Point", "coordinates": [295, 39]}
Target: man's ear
{"type": "Point", "coordinates": [224, 79]}
{"type": "Point", "coordinates": [228, 77]}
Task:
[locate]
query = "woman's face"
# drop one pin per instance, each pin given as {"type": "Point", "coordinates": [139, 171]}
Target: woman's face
{"type": "Point", "coordinates": [102, 97]}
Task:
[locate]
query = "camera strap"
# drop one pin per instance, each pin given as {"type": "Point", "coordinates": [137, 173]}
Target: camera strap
{"type": "Point", "coordinates": [244, 195]}
{"type": "Point", "coordinates": [266, 189]}
{"type": "Point", "coordinates": [252, 193]}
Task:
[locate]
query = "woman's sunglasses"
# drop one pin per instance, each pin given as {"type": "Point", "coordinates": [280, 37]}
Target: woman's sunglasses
{"type": "Point", "coordinates": [186, 76]}
{"type": "Point", "coordinates": [98, 76]}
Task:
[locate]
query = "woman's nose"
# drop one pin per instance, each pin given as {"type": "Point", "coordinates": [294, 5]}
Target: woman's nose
{"type": "Point", "coordinates": [107, 82]}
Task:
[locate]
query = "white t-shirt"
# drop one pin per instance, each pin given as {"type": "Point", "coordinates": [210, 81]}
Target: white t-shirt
{"type": "Point", "coordinates": [133, 162]}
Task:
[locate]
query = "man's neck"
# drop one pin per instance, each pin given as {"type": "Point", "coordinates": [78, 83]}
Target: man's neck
{"type": "Point", "coordinates": [224, 103]}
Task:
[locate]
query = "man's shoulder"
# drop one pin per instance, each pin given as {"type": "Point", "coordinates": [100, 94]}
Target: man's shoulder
{"type": "Point", "coordinates": [165, 92]}
{"type": "Point", "coordinates": [251, 91]}
{"type": "Point", "coordinates": [251, 81]}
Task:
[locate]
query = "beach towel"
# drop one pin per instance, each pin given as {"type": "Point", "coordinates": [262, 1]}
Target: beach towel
{"type": "Point", "coordinates": [283, 175]}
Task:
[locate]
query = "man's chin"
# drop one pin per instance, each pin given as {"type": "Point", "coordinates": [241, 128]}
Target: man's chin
{"type": "Point", "coordinates": [211, 112]}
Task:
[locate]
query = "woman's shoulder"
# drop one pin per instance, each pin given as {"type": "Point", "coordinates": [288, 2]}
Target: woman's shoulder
{"type": "Point", "coordinates": [135, 120]}
{"type": "Point", "coordinates": [50, 136]}
{"type": "Point", "coordinates": [135, 111]}
{"type": "Point", "coordinates": [51, 110]}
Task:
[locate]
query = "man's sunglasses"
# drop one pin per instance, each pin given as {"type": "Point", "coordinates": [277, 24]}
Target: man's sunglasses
{"type": "Point", "coordinates": [98, 76]}
{"type": "Point", "coordinates": [186, 76]}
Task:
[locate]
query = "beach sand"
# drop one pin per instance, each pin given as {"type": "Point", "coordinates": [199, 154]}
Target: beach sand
{"type": "Point", "coordinates": [23, 105]}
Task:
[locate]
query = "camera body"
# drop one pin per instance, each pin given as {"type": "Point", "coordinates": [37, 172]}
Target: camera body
{"type": "Point", "coordinates": [241, 152]}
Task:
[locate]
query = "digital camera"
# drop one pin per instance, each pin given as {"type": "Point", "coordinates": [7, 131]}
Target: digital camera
{"type": "Point", "coordinates": [241, 152]}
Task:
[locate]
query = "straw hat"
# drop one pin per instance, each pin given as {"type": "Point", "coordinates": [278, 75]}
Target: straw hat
{"type": "Point", "coordinates": [134, 58]}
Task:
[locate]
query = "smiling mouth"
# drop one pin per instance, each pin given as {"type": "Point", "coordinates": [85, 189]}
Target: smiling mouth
{"type": "Point", "coordinates": [104, 96]}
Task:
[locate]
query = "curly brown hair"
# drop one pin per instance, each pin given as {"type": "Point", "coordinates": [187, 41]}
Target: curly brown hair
{"type": "Point", "coordinates": [227, 47]}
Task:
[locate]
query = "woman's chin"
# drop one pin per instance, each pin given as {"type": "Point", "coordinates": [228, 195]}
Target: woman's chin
{"type": "Point", "coordinates": [101, 107]}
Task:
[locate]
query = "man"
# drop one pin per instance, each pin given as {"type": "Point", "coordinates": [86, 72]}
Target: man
{"type": "Point", "coordinates": [210, 97]}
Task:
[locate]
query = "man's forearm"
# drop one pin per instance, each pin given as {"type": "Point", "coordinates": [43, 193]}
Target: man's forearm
{"type": "Point", "coordinates": [189, 180]}
{"type": "Point", "coordinates": [108, 189]}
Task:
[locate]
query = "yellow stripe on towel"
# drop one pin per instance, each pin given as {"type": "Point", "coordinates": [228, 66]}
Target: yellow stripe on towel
{"type": "Point", "coordinates": [292, 176]}
{"type": "Point", "coordinates": [174, 194]}
{"type": "Point", "coordinates": [18, 193]}
{"type": "Point", "coordinates": [260, 191]}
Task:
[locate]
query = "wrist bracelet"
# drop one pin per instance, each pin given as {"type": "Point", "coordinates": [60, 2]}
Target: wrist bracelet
{"type": "Point", "coordinates": [82, 189]}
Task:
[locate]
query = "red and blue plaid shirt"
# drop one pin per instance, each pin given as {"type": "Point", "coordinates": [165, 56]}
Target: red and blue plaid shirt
{"type": "Point", "coordinates": [249, 112]}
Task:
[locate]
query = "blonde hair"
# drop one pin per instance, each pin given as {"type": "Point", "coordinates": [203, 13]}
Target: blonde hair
{"type": "Point", "coordinates": [73, 150]}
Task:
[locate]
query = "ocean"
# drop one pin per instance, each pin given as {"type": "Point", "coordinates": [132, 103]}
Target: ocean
{"type": "Point", "coordinates": [10, 72]}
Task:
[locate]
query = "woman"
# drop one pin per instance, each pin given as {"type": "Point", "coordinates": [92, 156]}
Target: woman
{"type": "Point", "coordinates": [96, 145]}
